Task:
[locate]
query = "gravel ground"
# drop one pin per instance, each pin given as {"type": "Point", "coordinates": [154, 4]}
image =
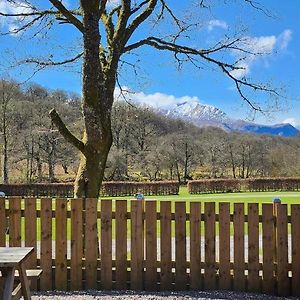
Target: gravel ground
{"type": "Point", "coordinates": [129, 295]}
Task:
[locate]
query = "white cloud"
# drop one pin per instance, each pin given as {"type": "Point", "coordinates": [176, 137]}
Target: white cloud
{"type": "Point", "coordinates": [259, 47]}
{"type": "Point", "coordinates": [16, 7]}
{"type": "Point", "coordinates": [156, 100]}
{"type": "Point", "coordinates": [212, 24]}
{"type": "Point", "coordinates": [284, 39]}
{"type": "Point", "coordinates": [291, 121]}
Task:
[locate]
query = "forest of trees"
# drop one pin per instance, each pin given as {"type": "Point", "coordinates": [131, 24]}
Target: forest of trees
{"type": "Point", "coordinates": [146, 145]}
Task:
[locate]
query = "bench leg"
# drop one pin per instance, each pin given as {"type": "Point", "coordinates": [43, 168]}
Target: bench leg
{"type": "Point", "coordinates": [9, 276]}
{"type": "Point", "coordinates": [24, 282]}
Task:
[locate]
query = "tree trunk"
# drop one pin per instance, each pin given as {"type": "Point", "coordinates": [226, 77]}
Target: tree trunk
{"type": "Point", "coordinates": [98, 84]}
{"type": "Point", "coordinates": [90, 174]}
{"type": "Point", "coordinates": [5, 160]}
{"type": "Point", "coordinates": [5, 144]}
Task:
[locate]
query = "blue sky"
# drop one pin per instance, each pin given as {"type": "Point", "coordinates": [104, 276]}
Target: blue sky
{"type": "Point", "coordinates": [158, 79]}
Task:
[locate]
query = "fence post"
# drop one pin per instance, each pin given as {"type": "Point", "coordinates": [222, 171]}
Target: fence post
{"type": "Point", "coordinates": [276, 203]}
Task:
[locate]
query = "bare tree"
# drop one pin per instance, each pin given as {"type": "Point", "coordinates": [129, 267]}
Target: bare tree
{"type": "Point", "coordinates": [108, 33]}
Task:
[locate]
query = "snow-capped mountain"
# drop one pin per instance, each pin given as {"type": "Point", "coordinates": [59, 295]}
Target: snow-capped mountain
{"type": "Point", "coordinates": [206, 115]}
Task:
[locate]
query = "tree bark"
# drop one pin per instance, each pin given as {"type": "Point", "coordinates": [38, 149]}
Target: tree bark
{"type": "Point", "coordinates": [97, 103]}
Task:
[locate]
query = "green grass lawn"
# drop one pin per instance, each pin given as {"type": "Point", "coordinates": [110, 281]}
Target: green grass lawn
{"type": "Point", "coordinates": [243, 197]}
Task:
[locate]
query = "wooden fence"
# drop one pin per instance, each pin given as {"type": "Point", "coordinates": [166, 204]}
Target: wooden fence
{"type": "Point", "coordinates": [157, 245]}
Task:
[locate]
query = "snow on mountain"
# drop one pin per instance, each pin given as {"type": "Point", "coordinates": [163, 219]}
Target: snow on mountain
{"type": "Point", "coordinates": [203, 115]}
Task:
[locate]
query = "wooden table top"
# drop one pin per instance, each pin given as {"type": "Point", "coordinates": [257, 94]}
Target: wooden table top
{"type": "Point", "coordinates": [11, 256]}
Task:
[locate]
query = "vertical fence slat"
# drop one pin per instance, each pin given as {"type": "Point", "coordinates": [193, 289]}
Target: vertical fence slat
{"type": "Point", "coordinates": [31, 234]}
{"type": "Point", "coordinates": [3, 224]}
{"type": "Point", "coordinates": [210, 246]}
{"type": "Point", "coordinates": [195, 245]}
{"type": "Point", "coordinates": [166, 246]}
{"type": "Point", "coordinates": [137, 245]}
{"type": "Point", "coordinates": [31, 229]}
{"type": "Point", "coordinates": [91, 243]}
{"type": "Point", "coordinates": [106, 244]}
{"type": "Point", "coordinates": [61, 244]}
{"type": "Point", "coordinates": [180, 246]}
{"type": "Point", "coordinates": [151, 246]}
{"type": "Point", "coordinates": [121, 244]}
{"type": "Point", "coordinates": [15, 221]}
{"type": "Point", "coordinates": [268, 249]}
{"type": "Point", "coordinates": [239, 247]}
{"type": "Point", "coordinates": [224, 246]}
{"type": "Point", "coordinates": [282, 250]}
{"type": "Point", "coordinates": [253, 248]}
{"type": "Point", "coordinates": [295, 219]}
{"type": "Point", "coordinates": [76, 243]}
{"type": "Point", "coordinates": [46, 244]}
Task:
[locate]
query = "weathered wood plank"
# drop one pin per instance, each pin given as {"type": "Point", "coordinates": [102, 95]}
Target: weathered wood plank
{"type": "Point", "coordinates": [106, 244]}
{"type": "Point", "coordinates": [31, 234]}
{"type": "Point", "coordinates": [76, 243]}
{"type": "Point", "coordinates": [210, 246]}
{"type": "Point", "coordinates": [180, 246]}
{"type": "Point", "coordinates": [61, 244]}
{"type": "Point", "coordinates": [295, 219]}
{"type": "Point", "coordinates": [3, 223]}
{"type": "Point", "coordinates": [46, 244]}
{"type": "Point", "coordinates": [195, 245]}
{"type": "Point", "coordinates": [282, 251]}
{"type": "Point", "coordinates": [121, 245]}
{"type": "Point", "coordinates": [239, 247]}
{"type": "Point", "coordinates": [137, 245]}
{"type": "Point", "coordinates": [15, 222]}
{"type": "Point", "coordinates": [224, 246]}
{"type": "Point", "coordinates": [151, 246]}
{"type": "Point", "coordinates": [91, 243]}
{"type": "Point", "coordinates": [166, 245]}
{"type": "Point", "coordinates": [268, 249]}
{"type": "Point", "coordinates": [253, 248]}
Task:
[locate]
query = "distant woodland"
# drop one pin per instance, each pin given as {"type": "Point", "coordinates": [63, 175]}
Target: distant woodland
{"type": "Point", "coordinates": [147, 146]}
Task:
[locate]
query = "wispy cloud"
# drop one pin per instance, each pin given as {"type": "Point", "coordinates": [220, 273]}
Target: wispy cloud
{"type": "Point", "coordinates": [284, 39]}
{"type": "Point", "coordinates": [258, 48]}
{"type": "Point", "coordinates": [15, 7]}
{"type": "Point", "coordinates": [212, 24]}
{"type": "Point", "coordinates": [156, 100]}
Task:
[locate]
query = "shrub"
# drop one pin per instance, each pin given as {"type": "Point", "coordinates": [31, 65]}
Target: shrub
{"type": "Point", "coordinates": [214, 186]}
{"type": "Point", "coordinates": [108, 189]}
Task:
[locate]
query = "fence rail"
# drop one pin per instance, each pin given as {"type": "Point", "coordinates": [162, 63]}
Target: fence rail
{"type": "Point", "coordinates": [164, 245]}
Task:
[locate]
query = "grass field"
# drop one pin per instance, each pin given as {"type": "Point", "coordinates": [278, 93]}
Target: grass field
{"type": "Point", "coordinates": [245, 197]}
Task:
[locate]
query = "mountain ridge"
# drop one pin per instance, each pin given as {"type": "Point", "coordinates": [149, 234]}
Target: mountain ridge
{"type": "Point", "coordinates": [203, 115]}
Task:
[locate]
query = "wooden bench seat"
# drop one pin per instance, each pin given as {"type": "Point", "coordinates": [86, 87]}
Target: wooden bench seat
{"type": "Point", "coordinates": [31, 274]}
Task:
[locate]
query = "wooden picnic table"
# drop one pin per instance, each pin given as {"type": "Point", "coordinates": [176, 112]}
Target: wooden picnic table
{"type": "Point", "coordinates": [12, 259]}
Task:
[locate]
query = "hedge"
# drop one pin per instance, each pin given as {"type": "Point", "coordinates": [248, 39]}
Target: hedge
{"type": "Point", "coordinates": [107, 189]}
{"type": "Point", "coordinates": [274, 184]}
{"type": "Point", "coordinates": [236, 185]}
{"type": "Point", "coordinates": [214, 186]}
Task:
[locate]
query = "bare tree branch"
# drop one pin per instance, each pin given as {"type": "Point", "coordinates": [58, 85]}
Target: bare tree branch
{"type": "Point", "coordinates": [227, 68]}
{"type": "Point", "coordinates": [64, 131]}
{"type": "Point", "coordinates": [50, 62]}
{"type": "Point", "coordinates": [140, 18]}
{"type": "Point", "coordinates": [68, 15]}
